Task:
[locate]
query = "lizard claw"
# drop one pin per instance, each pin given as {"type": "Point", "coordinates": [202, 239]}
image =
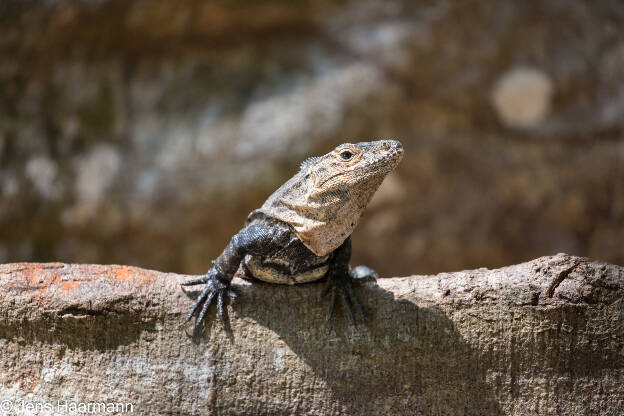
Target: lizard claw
{"type": "Point", "coordinates": [215, 288]}
{"type": "Point", "coordinates": [203, 279]}
{"type": "Point", "coordinates": [342, 285]}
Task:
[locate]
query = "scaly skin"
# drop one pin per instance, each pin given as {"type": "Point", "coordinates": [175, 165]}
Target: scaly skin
{"type": "Point", "coordinates": [302, 232]}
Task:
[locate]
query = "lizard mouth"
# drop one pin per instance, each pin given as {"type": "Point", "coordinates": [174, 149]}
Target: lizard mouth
{"type": "Point", "coordinates": [391, 155]}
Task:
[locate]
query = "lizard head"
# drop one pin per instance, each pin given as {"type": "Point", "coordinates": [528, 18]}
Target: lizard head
{"type": "Point", "coordinates": [325, 199]}
{"type": "Point", "coordinates": [353, 168]}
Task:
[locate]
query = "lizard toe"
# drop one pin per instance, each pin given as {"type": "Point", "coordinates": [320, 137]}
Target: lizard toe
{"type": "Point", "coordinates": [343, 287]}
{"type": "Point", "coordinates": [203, 279]}
{"type": "Point", "coordinates": [214, 289]}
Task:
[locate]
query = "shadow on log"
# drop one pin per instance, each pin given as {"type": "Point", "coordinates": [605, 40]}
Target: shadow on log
{"type": "Point", "coordinates": [543, 337]}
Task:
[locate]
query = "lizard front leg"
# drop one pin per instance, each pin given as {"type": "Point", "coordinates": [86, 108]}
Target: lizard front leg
{"type": "Point", "coordinates": [257, 239]}
{"type": "Point", "coordinates": [340, 281]}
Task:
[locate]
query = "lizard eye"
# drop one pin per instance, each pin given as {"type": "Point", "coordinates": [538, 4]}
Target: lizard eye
{"type": "Point", "coordinates": [346, 155]}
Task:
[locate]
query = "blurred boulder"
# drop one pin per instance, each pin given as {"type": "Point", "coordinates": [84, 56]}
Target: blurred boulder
{"type": "Point", "coordinates": [143, 132]}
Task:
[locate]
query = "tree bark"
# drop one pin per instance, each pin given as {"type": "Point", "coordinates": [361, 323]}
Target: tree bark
{"type": "Point", "coordinates": [543, 337]}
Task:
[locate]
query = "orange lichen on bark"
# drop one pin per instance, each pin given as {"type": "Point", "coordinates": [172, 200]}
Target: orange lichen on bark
{"type": "Point", "coordinates": [122, 273]}
{"type": "Point", "coordinates": [66, 286]}
{"type": "Point", "coordinates": [33, 273]}
{"type": "Point", "coordinates": [137, 274]}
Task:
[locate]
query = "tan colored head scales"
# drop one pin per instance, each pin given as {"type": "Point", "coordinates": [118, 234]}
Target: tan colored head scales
{"type": "Point", "coordinates": [325, 199]}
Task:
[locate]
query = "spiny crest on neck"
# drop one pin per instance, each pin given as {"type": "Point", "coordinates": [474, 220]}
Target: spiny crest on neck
{"type": "Point", "coordinates": [309, 161]}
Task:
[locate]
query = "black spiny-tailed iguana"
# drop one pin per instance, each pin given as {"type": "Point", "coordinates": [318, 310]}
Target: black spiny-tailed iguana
{"type": "Point", "coordinates": [302, 232]}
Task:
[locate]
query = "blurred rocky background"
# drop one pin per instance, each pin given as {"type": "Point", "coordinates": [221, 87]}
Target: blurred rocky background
{"type": "Point", "coordinates": [143, 132]}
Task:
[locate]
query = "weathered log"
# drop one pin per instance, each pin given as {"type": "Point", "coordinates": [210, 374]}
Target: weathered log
{"type": "Point", "coordinates": [542, 337]}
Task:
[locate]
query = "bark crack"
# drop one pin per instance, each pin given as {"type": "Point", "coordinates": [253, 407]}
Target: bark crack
{"type": "Point", "coordinates": [560, 278]}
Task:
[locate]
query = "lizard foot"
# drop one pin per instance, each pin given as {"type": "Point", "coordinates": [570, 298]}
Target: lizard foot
{"type": "Point", "coordinates": [215, 288]}
{"type": "Point", "coordinates": [341, 284]}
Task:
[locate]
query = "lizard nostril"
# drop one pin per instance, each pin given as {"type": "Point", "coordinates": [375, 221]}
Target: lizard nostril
{"type": "Point", "coordinates": [393, 145]}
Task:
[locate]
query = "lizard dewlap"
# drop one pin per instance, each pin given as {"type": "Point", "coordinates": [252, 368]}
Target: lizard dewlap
{"type": "Point", "coordinates": [302, 233]}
